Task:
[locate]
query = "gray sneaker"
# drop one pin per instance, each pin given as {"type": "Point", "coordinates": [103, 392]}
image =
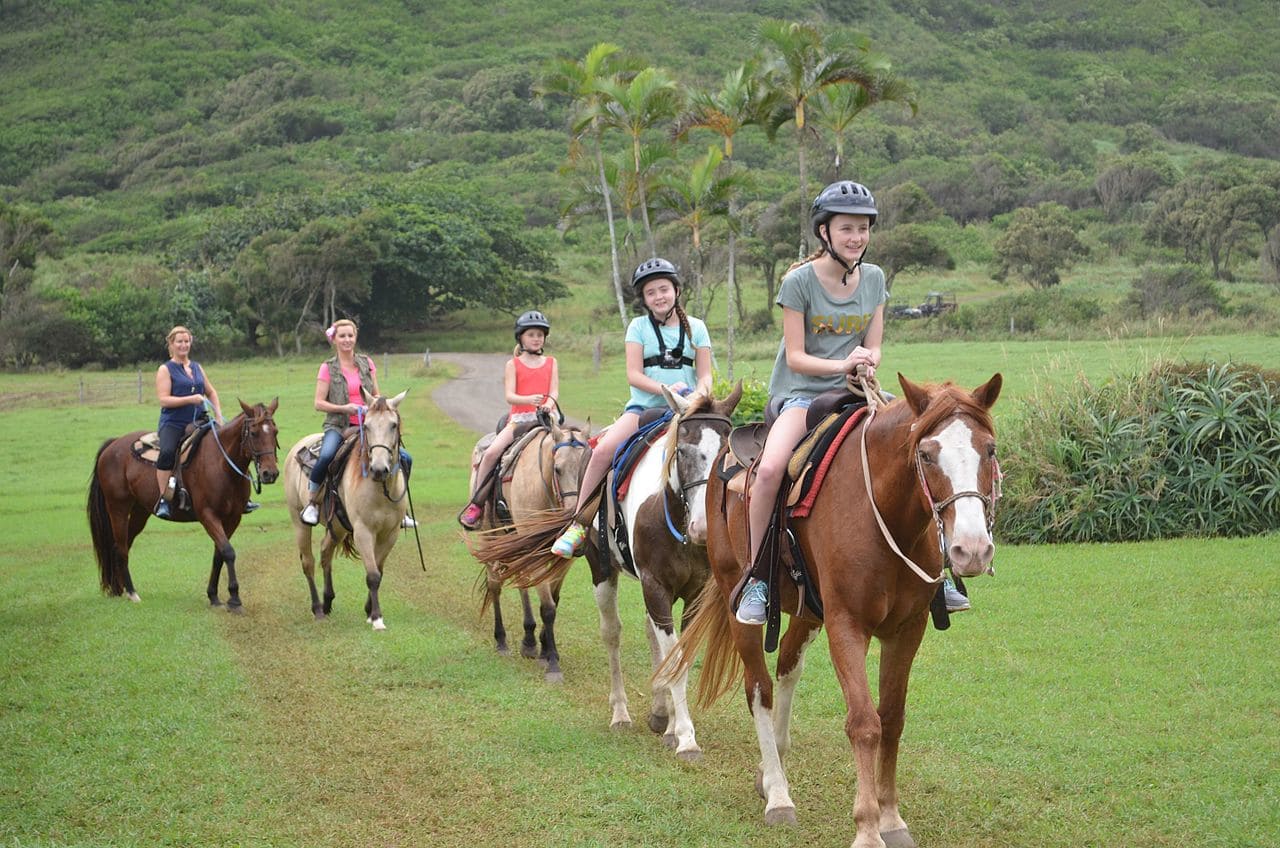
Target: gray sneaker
{"type": "Point", "coordinates": [956, 602]}
{"type": "Point", "coordinates": [754, 602]}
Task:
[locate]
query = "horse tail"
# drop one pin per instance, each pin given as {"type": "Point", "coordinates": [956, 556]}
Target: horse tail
{"type": "Point", "coordinates": [721, 666]}
{"type": "Point", "coordinates": [521, 554]}
{"type": "Point", "coordinates": [110, 567]}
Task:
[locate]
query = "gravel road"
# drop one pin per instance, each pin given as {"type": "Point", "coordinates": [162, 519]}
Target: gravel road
{"type": "Point", "coordinates": [475, 397]}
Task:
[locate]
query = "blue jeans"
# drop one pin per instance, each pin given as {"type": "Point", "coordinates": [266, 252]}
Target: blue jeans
{"type": "Point", "coordinates": [329, 448]}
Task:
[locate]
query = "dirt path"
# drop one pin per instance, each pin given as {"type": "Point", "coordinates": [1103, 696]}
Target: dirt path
{"type": "Point", "coordinates": [475, 397]}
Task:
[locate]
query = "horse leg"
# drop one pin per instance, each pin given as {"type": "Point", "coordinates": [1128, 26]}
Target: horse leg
{"type": "Point", "coordinates": [606, 592]}
{"type": "Point", "coordinates": [215, 575]}
{"type": "Point", "coordinates": [799, 636]}
{"type": "Point", "coordinates": [528, 645]}
{"type": "Point", "coordinates": [302, 537]}
{"type": "Point", "coordinates": [372, 558]}
{"type": "Point", "coordinates": [678, 733]}
{"type": "Point", "coordinates": [861, 725]}
{"type": "Point", "coordinates": [136, 521]}
{"type": "Point", "coordinates": [659, 709]}
{"type": "Point", "coordinates": [771, 777]}
{"type": "Point", "coordinates": [494, 589]}
{"type": "Point", "coordinates": [328, 545]}
{"type": "Point", "coordinates": [548, 600]}
{"type": "Point", "coordinates": [896, 656]}
{"type": "Point", "coordinates": [227, 555]}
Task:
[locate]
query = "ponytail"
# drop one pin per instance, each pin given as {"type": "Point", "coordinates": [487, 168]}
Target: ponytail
{"type": "Point", "coordinates": [817, 254]}
{"type": "Point", "coordinates": [684, 322]}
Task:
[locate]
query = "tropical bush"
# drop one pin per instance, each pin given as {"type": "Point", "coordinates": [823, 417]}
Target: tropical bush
{"type": "Point", "coordinates": [1183, 450]}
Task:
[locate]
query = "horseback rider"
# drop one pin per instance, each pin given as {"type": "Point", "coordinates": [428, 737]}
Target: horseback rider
{"type": "Point", "coordinates": [532, 382]}
{"type": "Point", "coordinates": [182, 388]}
{"type": "Point", "coordinates": [664, 347]}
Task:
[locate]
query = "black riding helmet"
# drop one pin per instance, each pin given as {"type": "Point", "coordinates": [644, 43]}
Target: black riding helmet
{"type": "Point", "coordinates": [531, 319]}
{"type": "Point", "coordinates": [841, 198]}
{"type": "Point", "coordinates": [655, 267]}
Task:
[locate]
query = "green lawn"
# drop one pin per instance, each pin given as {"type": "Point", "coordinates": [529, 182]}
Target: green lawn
{"type": "Point", "coordinates": [1097, 694]}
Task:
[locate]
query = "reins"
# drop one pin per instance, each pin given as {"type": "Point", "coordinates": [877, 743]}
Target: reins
{"type": "Point", "coordinates": [244, 437]}
{"type": "Point", "coordinates": [366, 453]}
{"type": "Point", "coordinates": [685, 487]}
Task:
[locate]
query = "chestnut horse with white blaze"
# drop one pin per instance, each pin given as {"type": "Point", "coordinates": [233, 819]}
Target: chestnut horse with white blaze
{"type": "Point", "coordinates": [373, 491]}
{"type": "Point", "coordinates": [874, 548]}
{"type": "Point", "coordinates": [664, 508]}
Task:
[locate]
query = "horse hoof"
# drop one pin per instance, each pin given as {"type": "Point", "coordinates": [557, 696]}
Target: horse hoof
{"type": "Point", "coordinates": [529, 652]}
{"type": "Point", "coordinates": [503, 651]}
{"type": "Point", "coordinates": [693, 755]}
{"type": "Point", "coordinates": [670, 742]}
{"type": "Point", "coordinates": [214, 602]}
{"type": "Point", "coordinates": [556, 677]}
{"type": "Point", "coordinates": [900, 838]}
{"type": "Point", "coordinates": [133, 596]}
{"type": "Point", "coordinates": [658, 723]}
{"type": "Point", "coordinates": [235, 609]}
{"type": "Point", "coordinates": [780, 815]}
{"type": "Point", "coordinates": [379, 624]}
{"type": "Point", "coordinates": [621, 725]}
{"type": "Point", "coordinates": [320, 616]}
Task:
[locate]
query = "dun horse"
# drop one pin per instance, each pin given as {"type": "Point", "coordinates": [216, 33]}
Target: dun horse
{"type": "Point", "coordinates": [123, 490]}
{"type": "Point", "coordinates": [372, 496]}
{"type": "Point", "coordinates": [666, 524]}
{"type": "Point", "coordinates": [545, 476]}
{"type": "Point", "coordinates": [933, 479]}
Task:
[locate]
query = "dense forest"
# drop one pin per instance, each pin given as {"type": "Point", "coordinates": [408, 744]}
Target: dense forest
{"type": "Point", "coordinates": [253, 170]}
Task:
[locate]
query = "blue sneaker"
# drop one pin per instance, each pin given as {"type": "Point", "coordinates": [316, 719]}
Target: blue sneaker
{"type": "Point", "coordinates": [956, 602]}
{"type": "Point", "coordinates": [569, 542]}
{"type": "Point", "coordinates": [754, 602]}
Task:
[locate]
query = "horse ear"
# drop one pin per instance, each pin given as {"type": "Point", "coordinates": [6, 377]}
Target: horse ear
{"type": "Point", "coordinates": [677, 403]}
{"type": "Point", "coordinates": [987, 393]}
{"type": "Point", "coordinates": [275, 402]}
{"type": "Point", "coordinates": [917, 398]}
{"type": "Point", "coordinates": [395, 401]}
{"type": "Point", "coordinates": [729, 404]}
{"type": "Point", "coordinates": [248, 410]}
{"type": "Point", "coordinates": [368, 398]}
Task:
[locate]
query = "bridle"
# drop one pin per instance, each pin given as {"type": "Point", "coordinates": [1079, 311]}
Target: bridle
{"type": "Point", "coordinates": [367, 449]}
{"type": "Point", "coordinates": [246, 444]}
{"type": "Point", "coordinates": [722, 425]}
{"type": "Point", "coordinates": [553, 488]}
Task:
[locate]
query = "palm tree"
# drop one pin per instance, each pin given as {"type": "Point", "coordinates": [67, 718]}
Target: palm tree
{"type": "Point", "coordinates": [742, 100]}
{"type": "Point", "coordinates": [581, 82]}
{"type": "Point", "coordinates": [697, 198]}
{"type": "Point", "coordinates": [838, 106]}
{"type": "Point", "coordinates": [651, 98]}
{"type": "Point", "coordinates": [804, 63]}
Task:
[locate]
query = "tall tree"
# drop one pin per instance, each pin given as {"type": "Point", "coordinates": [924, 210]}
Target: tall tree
{"type": "Point", "coordinates": [580, 82]}
{"type": "Point", "coordinates": [839, 105]}
{"type": "Point", "coordinates": [696, 198]}
{"type": "Point", "coordinates": [802, 64]}
{"type": "Point", "coordinates": [648, 100]}
{"type": "Point", "coordinates": [742, 100]}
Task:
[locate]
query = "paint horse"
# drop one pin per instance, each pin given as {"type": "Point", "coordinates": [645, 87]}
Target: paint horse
{"type": "Point", "coordinates": [663, 510]}
{"type": "Point", "coordinates": [546, 467]}
{"type": "Point", "coordinates": [366, 508]}
{"type": "Point", "coordinates": [123, 491]}
{"type": "Point", "coordinates": [914, 490]}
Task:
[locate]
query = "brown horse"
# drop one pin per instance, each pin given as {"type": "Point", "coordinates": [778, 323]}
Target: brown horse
{"type": "Point", "coordinates": [932, 480]}
{"type": "Point", "coordinates": [123, 490]}
{"type": "Point", "coordinates": [373, 491]}
{"type": "Point", "coordinates": [666, 522]}
{"type": "Point", "coordinates": [545, 476]}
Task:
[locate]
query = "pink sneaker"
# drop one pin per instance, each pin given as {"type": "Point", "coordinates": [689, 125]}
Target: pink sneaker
{"type": "Point", "coordinates": [470, 517]}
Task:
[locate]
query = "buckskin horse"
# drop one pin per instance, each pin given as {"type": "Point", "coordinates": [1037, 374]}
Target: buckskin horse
{"type": "Point", "coordinates": [544, 475]}
{"type": "Point", "coordinates": [874, 547]}
{"type": "Point", "coordinates": [123, 490]}
{"type": "Point", "coordinates": [366, 517]}
{"type": "Point", "coordinates": [665, 493]}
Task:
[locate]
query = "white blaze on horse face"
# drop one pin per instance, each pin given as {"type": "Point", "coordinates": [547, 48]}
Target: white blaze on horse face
{"type": "Point", "coordinates": [702, 454]}
{"type": "Point", "coordinates": [969, 547]}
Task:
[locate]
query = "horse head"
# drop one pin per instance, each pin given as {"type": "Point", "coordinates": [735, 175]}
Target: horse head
{"type": "Point", "coordinates": [702, 425]}
{"type": "Point", "coordinates": [570, 452]}
{"type": "Point", "coordinates": [953, 449]}
{"type": "Point", "coordinates": [380, 431]}
{"type": "Point", "coordinates": [261, 438]}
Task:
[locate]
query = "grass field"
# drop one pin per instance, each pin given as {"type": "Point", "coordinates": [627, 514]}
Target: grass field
{"type": "Point", "coordinates": [1100, 694]}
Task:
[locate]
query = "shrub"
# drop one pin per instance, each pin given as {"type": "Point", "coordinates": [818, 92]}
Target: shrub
{"type": "Point", "coordinates": [1186, 449]}
{"type": "Point", "coordinates": [1184, 289]}
{"type": "Point", "coordinates": [755, 396]}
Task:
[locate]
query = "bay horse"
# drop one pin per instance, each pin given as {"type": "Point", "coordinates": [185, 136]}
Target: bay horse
{"type": "Point", "coordinates": [373, 494]}
{"type": "Point", "coordinates": [123, 491]}
{"type": "Point", "coordinates": [665, 493]}
{"type": "Point", "coordinates": [932, 480]}
{"type": "Point", "coordinates": [544, 476]}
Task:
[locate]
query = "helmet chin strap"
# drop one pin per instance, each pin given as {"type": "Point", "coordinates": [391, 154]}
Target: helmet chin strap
{"type": "Point", "coordinates": [831, 251]}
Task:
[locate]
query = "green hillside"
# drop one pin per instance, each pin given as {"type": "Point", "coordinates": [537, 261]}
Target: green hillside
{"type": "Point", "coordinates": [168, 154]}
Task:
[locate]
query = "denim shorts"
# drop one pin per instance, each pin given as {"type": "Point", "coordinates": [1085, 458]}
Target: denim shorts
{"type": "Point", "coordinates": [635, 409]}
{"type": "Point", "coordinates": [795, 403]}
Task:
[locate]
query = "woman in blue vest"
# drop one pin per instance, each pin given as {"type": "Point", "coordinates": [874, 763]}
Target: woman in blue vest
{"type": "Point", "coordinates": [182, 388]}
{"type": "Point", "coordinates": [338, 385]}
{"type": "Point", "coordinates": [664, 347]}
